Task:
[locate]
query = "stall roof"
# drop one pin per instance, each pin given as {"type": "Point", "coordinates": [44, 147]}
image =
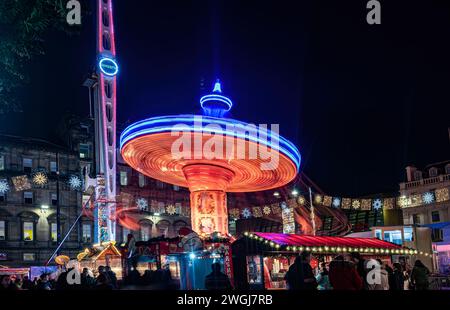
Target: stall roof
{"type": "Point", "coordinates": [318, 241]}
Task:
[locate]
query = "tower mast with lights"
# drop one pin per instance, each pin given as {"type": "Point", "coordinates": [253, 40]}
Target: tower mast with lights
{"type": "Point", "coordinates": [105, 125]}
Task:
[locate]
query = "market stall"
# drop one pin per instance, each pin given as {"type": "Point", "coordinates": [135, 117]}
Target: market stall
{"type": "Point", "coordinates": [14, 272]}
{"type": "Point", "coordinates": [264, 258]}
{"type": "Point", "coordinates": [102, 255]}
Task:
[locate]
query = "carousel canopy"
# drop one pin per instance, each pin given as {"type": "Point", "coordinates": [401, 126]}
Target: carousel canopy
{"type": "Point", "coordinates": [321, 241]}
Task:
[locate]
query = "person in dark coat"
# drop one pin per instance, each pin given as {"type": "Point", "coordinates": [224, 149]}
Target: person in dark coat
{"type": "Point", "coordinates": [419, 276]}
{"type": "Point", "coordinates": [360, 267]}
{"type": "Point", "coordinates": [102, 283]}
{"type": "Point", "coordinates": [217, 280]}
{"type": "Point", "coordinates": [300, 275]}
{"type": "Point", "coordinates": [396, 278]}
{"type": "Point", "coordinates": [343, 275]}
{"type": "Point", "coordinates": [87, 281]}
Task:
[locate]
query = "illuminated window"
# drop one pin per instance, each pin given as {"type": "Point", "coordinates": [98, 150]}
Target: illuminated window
{"type": "Point", "coordinates": [378, 234]}
{"type": "Point", "coordinates": [29, 257]}
{"type": "Point", "coordinates": [145, 231]}
{"type": "Point", "coordinates": [2, 162]}
{"type": "Point", "coordinates": [123, 178]}
{"type": "Point", "coordinates": [408, 234]}
{"type": "Point", "coordinates": [125, 232]}
{"type": "Point", "coordinates": [28, 231]}
{"type": "Point", "coordinates": [28, 197]}
{"type": "Point", "coordinates": [54, 232]}
{"type": "Point", "coordinates": [27, 165]}
{"type": "Point", "coordinates": [141, 180]}
{"type": "Point", "coordinates": [176, 188]}
{"type": "Point", "coordinates": [2, 230]}
{"type": "Point", "coordinates": [393, 236]}
{"type": "Point", "coordinates": [84, 150]}
{"type": "Point", "coordinates": [54, 199]}
{"type": "Point", "coordinates": [87, 237]}
{"type": "Point", "coordinates": [435, 217]}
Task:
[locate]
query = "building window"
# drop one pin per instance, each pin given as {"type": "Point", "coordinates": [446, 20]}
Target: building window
{"type": "Point", "coordinates": [433, 172]}
{"type": "Point", "coordinates": [53, 232]}
{"type": "Point", "coordinates": [30, 257]}
{"type": "Point", "coordinates": [28, 197]}
{"type": "Point", "coordinates": [27, 165]}
{"type": "Point", "coordinates": [87, 234]}
{"type": "Point", "coordinates": [53, 167]}
{"type": "Point", "coordinates": [141, 180]}
{"type": "Point", "coordinates": [417, 175]}
{"type": "Point", "coordinates": [159, 184]}
{"type": "Point", "coordinates": [2, 162]}
{"type": "Point", "coordinates": [393, 236]}
{"type": "Point", "coordinates": [125, 232]}
{"type": "Point", "coordinates": [85, 150]}
{"type": "Point", "coordinates": [408, 234]}
{"type": "Point", "coordinates": [2, 230]}
{"type": "Point", "coordinates": [176, 188]}
{"type": "Point", "coordinates": [28, 231]}
{"type": "Point", "coordinates": [435, 217]}
{"type": "Point", "coordinates": [145, 232]}
{"type": "Point", "coordinates": [123, 178]}
{"type": "Point", "coordinates": [416, 219]}
{"type": "Point", "coordinates": [378, 234]}
{"type": "Point", "coordinates": [54, 199]}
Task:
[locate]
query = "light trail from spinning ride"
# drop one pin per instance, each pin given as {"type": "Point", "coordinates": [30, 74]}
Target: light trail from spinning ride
{"type": "Point", "coordinates": [211, 155]}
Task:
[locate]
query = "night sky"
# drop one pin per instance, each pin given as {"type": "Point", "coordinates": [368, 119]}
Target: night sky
{"type": "Point", "coordinates": [361, 102]}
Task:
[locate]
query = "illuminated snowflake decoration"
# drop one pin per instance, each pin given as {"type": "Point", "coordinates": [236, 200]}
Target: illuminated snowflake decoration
{"type": "Point", "coordinates": [246, 213]}
{"type": "Point", "coordinates": [75, 182]}
{"type": "Point", "coordinates": [4, 186]}
{"type": "Point", "coordinates": [356, 204]}
{"type": "Point", "coordinates": [301, 200]}
{"type": "Point", "coordinates": [267, 210]}
{"type": "Point", "coordinates": [377, 204]}
{"type": "Point", "coordinates": [336, 202]}
{"type": "Point", "coordinates": [142, 204]}
{"type": "Point", "coordinates": [40, 179]}
{"type": "Point", "coordinates": [428, 197]}
{"type": "Point", "coordinates": [171, 210]}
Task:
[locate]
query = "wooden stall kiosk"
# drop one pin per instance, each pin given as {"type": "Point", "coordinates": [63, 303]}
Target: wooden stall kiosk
{"type": "Point", "coordinates": [106, 254]}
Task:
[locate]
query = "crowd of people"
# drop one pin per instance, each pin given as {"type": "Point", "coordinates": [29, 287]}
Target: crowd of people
{"type": "Point", "coordinates": [344, 272]}
{"type": "Point", "coordinates": [352, 272]}
{"type": "Point", "coordinates": [104, 280]}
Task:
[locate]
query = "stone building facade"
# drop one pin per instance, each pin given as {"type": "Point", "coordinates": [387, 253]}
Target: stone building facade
{"type": "Point", "coordinates": [424, 195]}
{"type": "Point", "coordinates": [28, 213]}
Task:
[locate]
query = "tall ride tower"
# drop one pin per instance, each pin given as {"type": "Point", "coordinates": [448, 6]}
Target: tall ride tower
{"type": "Point", "coordinates": [105, 125]}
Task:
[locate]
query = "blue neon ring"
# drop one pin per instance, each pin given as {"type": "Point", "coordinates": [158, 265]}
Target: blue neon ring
{"type": "Point", "coordinates": [162, 124]}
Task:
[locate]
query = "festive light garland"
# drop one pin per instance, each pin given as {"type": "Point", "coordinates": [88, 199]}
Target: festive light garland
{"type": "Point", "coordinates": [363, 204]}
{"type": "Point", "coordinates": [337, 250]}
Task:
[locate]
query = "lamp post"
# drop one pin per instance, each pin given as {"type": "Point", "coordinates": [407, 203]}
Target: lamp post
{"type": "Point", "coordinates": [58, 208]}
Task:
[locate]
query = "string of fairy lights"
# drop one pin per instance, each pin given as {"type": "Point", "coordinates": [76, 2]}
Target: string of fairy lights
{"type": "Point", "coordinates": [335, 249]}
{"type": "Point", "coordinates": [438, 195]}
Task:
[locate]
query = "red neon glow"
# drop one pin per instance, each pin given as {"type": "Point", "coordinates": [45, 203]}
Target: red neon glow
{"type": "Point", "coordinates": [317, 241]}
